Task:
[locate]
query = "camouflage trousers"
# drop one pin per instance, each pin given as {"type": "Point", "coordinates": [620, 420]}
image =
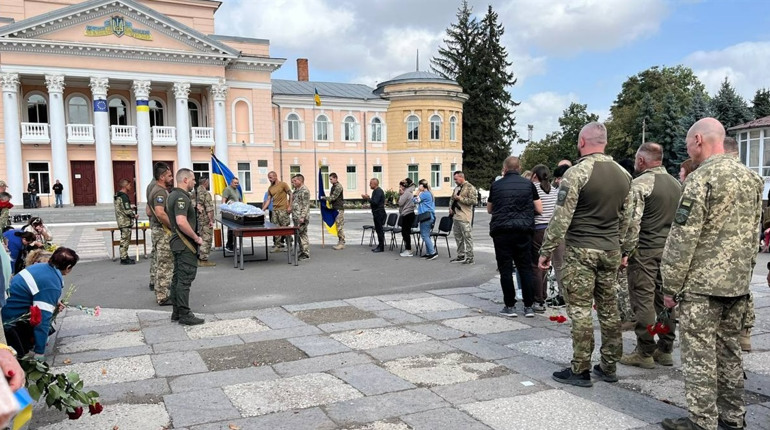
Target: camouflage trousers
{"type": "Point", "coordinates": [207, 234]}
{"type": "Point", "coordinates": [125, 240]}
{"type": "Point", "coordinates": [280, 217]}
{"type": "Point", "coordinates": [645, 282]}
{"type": "Point", "coordinates": [557, 260]}
{"type": "Point", "coordinates": [750, 318]}
{"type": "Point", "coordinates": [589, 276]}
{"type": "Point", "coordinates": [304, 242]}
{"type": "Point", "coordinates": [164, 262]}
{"type": "Point", "coordinates": [711, 357]}
{"type": "Point", "coordinates": [464, 239]}
{"type": "Point", "coordinates": [152, 264]}
{"type": "Point", "coordinates": [340, 220]}
{"type": "Point", "coordinates": [624, 300]}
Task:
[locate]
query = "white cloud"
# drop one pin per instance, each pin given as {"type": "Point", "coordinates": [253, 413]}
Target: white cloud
{"type": "Point", "coordinates": [746, 65]}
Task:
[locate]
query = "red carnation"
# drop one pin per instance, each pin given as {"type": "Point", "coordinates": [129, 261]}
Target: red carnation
{"type": "Point", "coordinates": [96, 408]}
{"type": "Point", "coordinates": [76, 413]}
{"type": "Point", "coordinates": [35, 317]}
{"type": "Point", "coordinates": [553, 318]}
{"type": "Point", "coordinates": [652, 329]}
{"type": "Point", "coordinates": [561, 318]}
{"type": "Point", "coordinates": [664, 329]}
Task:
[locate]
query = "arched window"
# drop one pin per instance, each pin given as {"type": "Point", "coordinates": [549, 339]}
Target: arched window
{"type": "Point", "coordinates": [195, 118]}
{"type": "Point", "coordinates": [376, 130]}
{"type": "Point", "coordinates": [412, 127]}
{"type": "Point", "coordinates": [322, 127]}
{"type": "Point", "coordinates": [349, 127]}
{"type": "Point", "coordinates": [292, 123]}
{"type": "Point", "coordinates": [453, 128]}
{"type": "Point", "coordinates": [156, 113]}
{"type": "Point", "coordinates": [118, 112]}
{"type": "Point", "coordinates": [37, 109]}
{"type": "Point", "coordinates": [435, 127]}
{"type": "Point", "coordinates": [78, 110]}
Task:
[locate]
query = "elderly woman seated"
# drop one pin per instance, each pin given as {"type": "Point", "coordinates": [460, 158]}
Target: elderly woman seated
{"type": "Point", "coordinates": [39, 285]}
{"type": "Point", "coordinates": [36, 227]}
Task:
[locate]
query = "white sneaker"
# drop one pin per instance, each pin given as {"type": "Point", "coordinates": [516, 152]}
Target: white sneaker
{"type": "Point", "coordinates": [406, 254]}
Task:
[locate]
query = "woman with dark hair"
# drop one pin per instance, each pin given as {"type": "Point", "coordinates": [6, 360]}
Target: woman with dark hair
{"type": "Point", "coordinates": [406, 210]}
{"type": "Point", "coordinates": [19, 244]}
{"type": "Point", "coordinates": [685, 169]}
{"type": "Point", "coordinates": [541, 179]}
{"type": "Point", "coordinates": [38, 286]}
{"type": "Point", "coordinates": [426, 205]}
{"type": "Point", "coordinates": [36, 227]}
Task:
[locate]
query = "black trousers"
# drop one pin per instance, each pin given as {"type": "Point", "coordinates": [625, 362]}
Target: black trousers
{"type": "Point", "coordinates": [514, 247]}
{"type": "Point", "coordinates": [229, 243]}
{"type": "Point", "coordinates": [379, 221]}
{"type": "Point", "coordinates": [406, 230]}
{"type": "Point", "coordinates": [21, 337]}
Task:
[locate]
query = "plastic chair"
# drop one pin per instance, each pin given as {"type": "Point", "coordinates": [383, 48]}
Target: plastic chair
{"type": "Point", "coordinates": [444, 228]}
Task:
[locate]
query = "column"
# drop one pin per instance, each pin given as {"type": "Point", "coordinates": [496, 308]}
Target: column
{"type": "Point", "coordinates": [14, 168]}
{"type": "Point", "coordinates": [104, 187]}
{"type": "Point", "coordinates": [55, 84]}
{"type": "Point", "coordinates": [181, 91]}
{"type": "Point", "coordinates": [144, 137]}
{"type": "Point", "coordinates": [219, 95]}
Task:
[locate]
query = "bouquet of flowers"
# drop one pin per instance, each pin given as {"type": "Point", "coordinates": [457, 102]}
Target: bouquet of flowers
{"type": "Point", "coordinates": [62, 391]}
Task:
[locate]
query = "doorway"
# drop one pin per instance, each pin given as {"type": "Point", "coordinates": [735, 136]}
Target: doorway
{"type": "Point", "coordinates": [124, 170]}
{"type": "Point", "coordinates": [83, 183]}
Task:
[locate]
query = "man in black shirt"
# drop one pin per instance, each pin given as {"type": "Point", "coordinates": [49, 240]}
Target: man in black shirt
{"type": "Point", "coordinates": [377, 200]}
{"type": "Point", "coordinates": [57, 191]}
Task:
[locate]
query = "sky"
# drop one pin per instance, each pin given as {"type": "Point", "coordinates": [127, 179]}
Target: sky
{"type": "Point", "coordinates": [561, 51]}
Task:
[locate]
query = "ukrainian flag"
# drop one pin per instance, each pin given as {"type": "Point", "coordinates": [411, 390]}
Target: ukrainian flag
{"type": "Point", "coordinates": [221, 176]}
{"type": "Point", "coordinates": [328, 214]}
{"type": "Point", "coordinates": [317, 97]}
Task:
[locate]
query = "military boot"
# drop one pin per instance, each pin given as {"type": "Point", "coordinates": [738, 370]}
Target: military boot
{"type": "Point", "coordinates": [680, 424]}
{"type": "Point", "coordinates": [338, 246]}
{"type": "Point", "coordinates": [745, 340]}
{"type": "Point", "coordinates": [190, 319]}
{"type": "Point", "coordinates": [638, 360]}
{"type": "Point", "coordinates": [566, 376]}
{"type": "Point", "coordinates": [663, 358]}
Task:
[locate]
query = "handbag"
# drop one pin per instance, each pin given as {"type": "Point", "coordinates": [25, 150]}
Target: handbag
{"type": "Point", "coordinates": [425, 216]}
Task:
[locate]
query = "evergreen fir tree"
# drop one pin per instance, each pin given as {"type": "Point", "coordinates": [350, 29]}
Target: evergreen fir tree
{"type": "Point", "coordinates": [645, 121]}
{"type": "Point", "coordinates": [670, 131]}
{"type": "Point", "coordinates": [761, 103]}
{"type": "Point", "coordinates": [729, 107]}
{"type": "Point", "coordinates": [698, 109]}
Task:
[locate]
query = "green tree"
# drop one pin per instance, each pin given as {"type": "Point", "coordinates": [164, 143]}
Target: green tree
{"type": "Point", "coordinates": [562, 144]}
{"type": "Point", "coordinates": [669, 132]}
{"type": "Point", "coordinates": [729, 107]}
{"type": "Point", "coordinates": [697, 109]}
{"type": "Point", "coordinates": [545, 151]}
{"type": "Point", "coordinates": [761, 103]}
{"type": "Point", "coordinates": [646, 129]}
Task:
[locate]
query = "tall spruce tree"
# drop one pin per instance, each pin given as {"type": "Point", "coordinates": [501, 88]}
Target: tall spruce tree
{"type": "Point", "coordinates": [698, 109]}
{"type": "Point", "coordinates": [729, 107]}
{"type": "Point", "coordinates": [669, 132]}
{"type": "Point", "coordinates": [645, 122]}
{"type": "Point", "coordinates": [761, 103]}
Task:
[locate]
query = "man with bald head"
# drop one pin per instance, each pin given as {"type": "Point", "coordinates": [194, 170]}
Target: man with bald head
{"type": "Point", "coordinates": [707, 266]}
{"type": "Point", "coordinates": [655, 197]}
{"type": "Point", "coordinates": [592, 214]}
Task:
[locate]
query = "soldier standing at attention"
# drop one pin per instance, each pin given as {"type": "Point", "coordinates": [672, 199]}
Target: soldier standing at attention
{"type": "Point", "coordinates": [205, 208]}
{"type": "Point", "coordinates": [300, 213]}
{"type": "Point", "coordinates": [337, 200]}
{"type": "Point", "coordinates": [461, 210]}
{"type": "Point", "coordinates": [279, 194]}
{"type": "Point", "coordinates": [184, 244]}
{"type": "Point", "coordinates": [161, 233]}
{"type": "Point", "coordinates": [655, 197]}
{"type": "Point", "coordinates": [592, 214]}
{"type": "Point", "coordinates": [125, 216]}
{"type": "Point", "coordinates": [707, 267]}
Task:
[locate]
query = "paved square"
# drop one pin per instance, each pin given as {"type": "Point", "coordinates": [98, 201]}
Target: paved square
{"type": "Point", "coordinates": [77, 319]}
{"type": "Point", "coordinates": [445, 369]}
{"type": "Point", "coordinates": [333, 315]}
{"type": "Point", "coordinates": [122, 369]}
{"type": "Point", "coordinates": [427, 304]}
{"type": "Point", "coordinates": [555, 349]}
{"type": "Point", "coordinates": [661, 388]}
{"type": "Point", "coordinates": [383, 425]}
{"type": "Point", "coordinates": [298, 392]}
{"type": "Point", "coordinates": [757, 362]}
{"type": "Point", "coordinates": [485, 324]}
{"type": "Point", "coordinates": [92, 342]}
{"type": "Point", "coordinates": [225, 328]}
{"type": "Point", "coordinates": [378, 337]}
{"type": "Point", "coordinates": [250, 354]}
{"type": "Point", "coordinates": [552, 409]}
{"type": "Point", "coordinates": [129, 417]}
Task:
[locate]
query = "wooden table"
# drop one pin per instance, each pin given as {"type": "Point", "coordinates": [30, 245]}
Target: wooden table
{"type": "Point", "coordinates": [267, 230]}
{"type": "Point", "coordinates": [137, 241]}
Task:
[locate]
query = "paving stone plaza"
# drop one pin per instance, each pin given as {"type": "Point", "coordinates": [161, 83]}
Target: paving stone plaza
{"type": "Point", "coordinates": [428, 358]}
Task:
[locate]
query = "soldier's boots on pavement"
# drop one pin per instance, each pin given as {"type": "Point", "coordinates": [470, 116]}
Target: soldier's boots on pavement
{"type": "Point", "coordinates": [604, 375]}
{"type": "Point", "coordinates": [683, 423]}
{"type": "Point", "coordinates": [724, 425]}
{"type": "Point", "coordinates": [127, 260]}
{"type": "Point", "coordinates": [638, 360]}
{"type": "Point", "coordinates": [190, 319]}
{"type": "Point", "coordinates": [566, 376]}
{"type": "Point", "coordinates": [663, 358]}
{"type": "Point", "coordinates": [338, 246]}
{"type": "Point", "coordinates": [206, 263]}
{"type": "Point", "coordinates": [745, 340]}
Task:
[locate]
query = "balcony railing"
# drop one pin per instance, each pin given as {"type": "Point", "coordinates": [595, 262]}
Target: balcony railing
{"type": "Point", "coordinates": [34, 133]}
{"type": "Point", "coordinates": [163, 136]}
{"type": "Point", "coordinates": [80, 134]}
{"type": "Point", "coordinates": [202, 136]}
{"type": "Point", "coordinates": [123, 134]}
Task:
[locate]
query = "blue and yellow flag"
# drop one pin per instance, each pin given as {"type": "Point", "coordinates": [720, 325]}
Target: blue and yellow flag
{"type": "Point", "coordinates": [221, 176]}
{"type": "Point", "coordinates": [317, 97]}
{"type": "Point", "coordinates": [328, 215]}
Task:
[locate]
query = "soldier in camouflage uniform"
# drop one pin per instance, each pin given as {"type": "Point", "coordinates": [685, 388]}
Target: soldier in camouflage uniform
{"type": "Point", "coordinates": [707, 267]}
{"type": "Point", "coordinates": [337, 199]}
{"type": "Point", "coordinates": [461, 210]}
{"type": "Point", "coordinates": [279, 194]}
{"type": "Point", "coordinates": [625, 310]}
{"type": "Point", "coordinates": [161, 234]}
{"type": "Point", "coordinates": [300, 213]}
{"type": "Point", "coordinates": [592, 211]}
{"type": "Point", "coordinates": [205, 208]}
{"type": "Point", "coordinates": [655, 197]}
{"type": "Point", "coordinates": [147, 211]}
{"type": "Point", "coordinates": [125, 216]}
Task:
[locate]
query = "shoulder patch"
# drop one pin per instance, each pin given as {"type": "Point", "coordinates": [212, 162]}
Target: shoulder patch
{"type": "Point", "coordinates": [127, 205]}
{"type": "Point", "coordinates": [683, 211]}
{"type": "Point", "coordinates": [159, 199]}
{"type": "Point", "coordinates": [562, 195]}
{"type": "Point", "coordinates": [181, 204]}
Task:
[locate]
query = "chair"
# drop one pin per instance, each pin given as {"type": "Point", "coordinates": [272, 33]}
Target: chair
{"type": "Point", "coordinates": [369, 227]}
{"type": "Point", "coordinates": [444, 228]}
{"type": "Point", "coordinates": [390, 225]}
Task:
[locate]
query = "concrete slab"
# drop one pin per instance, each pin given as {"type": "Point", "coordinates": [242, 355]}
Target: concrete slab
{"type": "Point", "coordinates": [354, 325]}
{"type": "Point", "coordinates": [92, 342]}
{"type": "Point", "coordinates": [489, 388]}
{"type": "Point", "coordinates": [333, 315]}
{"type": "Point", "coordinates": [757, 362]}
{"type": "Point", "coordinates": [378, 337]}
{"type": "Point", "coordinates": [551, 409]}
{"type": "Point", "coordinates": [481, 348]}
{"type": "Point", "coordinates": [283, 333]}
{"type": "Point", "coordinates": [306, 419]}
{"type": "Point", "coordinates": [315, 305]}
{"type": "Point", "coordinates": [147, 391]}
{"type": "Point", "coordinates": [663, 388]}
{"type": "Point", "coordinates": [436, 331]}
{"type": "Point", "coordinates": [384, 406]}
{"type": "Point", "coordinates": [454, 291]}
{"type": "Point", "coordinates": [382, 425]}
{"type": "Point", "coordinates": [371, 380]}
{"type": "Point", "coordinates": [124, 416]}
{"type": "Point", "coordinates": [425, 304]}
{"type": "Point", "coordinates": [298, 392]}
{"type": "Point", "coordinates": [397, 316]}
{"type": "Point", "coordinates": [318, 345]}
{"type": "Point", "coordinates": [443, 419]}
{"type": "Point", "coordinates": [225, 328]}
{"type": "Point", "coordinates": [76, 319]}
{"type": "Point", "coordinates": [322, 363]}
{"type": "Point", "coordinates": [96, 355]}
{"type": "Point", "coordinates": [398, 351]}
{"type": "Point", "coordinates": [444, 369]}
{"type": "Point", "coordinates": [485, 324]}
{"type": "Point", "coordinates": [555, 349]}
{"type": "Point", "coordinates": [277, 318]}
{"type": "Point", "coordinates": [251, 355]}
{"type": "Point", "coordinates": [116, 370]}
{"type": "Point", "coordinates": [368, 303]}
{"type": "Point", "coordinates": [178, 363]}
{"type": "Point", "coordinates": [188, 345]}
{"type": "Point", "coordinates": [167, 332]}
{"type": "Point", "coordinates": [199, 407]}
{"type": "Point", "coordinates": [218, 379]}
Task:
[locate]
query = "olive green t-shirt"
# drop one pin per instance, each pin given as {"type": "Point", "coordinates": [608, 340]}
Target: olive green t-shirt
{"type": "Point", "coordinates": [179, 203]}
{"type": "Point", "coordinates": [158, 197]}
{"type": "Point", "coordinates": [279, 193]}
{"type": "Point", "coordinates": [230, 195]}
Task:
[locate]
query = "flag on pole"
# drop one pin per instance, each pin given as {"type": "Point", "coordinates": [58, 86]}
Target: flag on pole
{"type": "Point", "coordinates": [328, 215]}
{"type": "Point", "coordinates": [317, 98]}
{"type": "Point", "coordinates": [221, 176]}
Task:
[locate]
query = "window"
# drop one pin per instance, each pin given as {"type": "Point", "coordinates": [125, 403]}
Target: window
{"type": "Point", "coordinates": [377, 173]}
{"type": "Point", "coordinates": [37, 109]}
{"type": "Point", "coordinates": [244, 176]}
{"type": "Point", "coordinates": [453, 128]}
{"type": "Point", "coordinates": [39, 171]}
{"type": "Point", "coordinates": [292, 122]}
{"type": "Point", "coordinates": [118, 112]}
{"type": "Point", "coordinates": [453, 168]}
{"type": "Point", "coordinates": [78, 110]}
{"type": "Point", "coordinates": [294, 170]}
{"type": "Point", "coordinates": [352, 178]}
{"type": "Point", "coordinates": [194, 112]}
{"type": "Point", "coordinates": [743, 142]}
{"type": "Point", "coordinates": [766, 159]}
{"type": "Point", "coordinates": [435, 175]}
{"type": "Point", "coordinates": [413, 127]}
{"type": "Point", "coordinates": [412, 173]}
{"type": "Point", "coordinates": [435, 127]}
{"type": "Point", "coordinates": [322, 128]}
{"type": "Point", "coordinates": [201, 169]}
{"type": "Point", "coordinates": [376, 130]}
{"type": "Point", "coordinates": [349, 129]}
{"type": "Point", "coordinates": [156, 113]}
{"type": "Point", "coordinates": [325, 176]}
{"type": "Point", "coordinates": [753, 157]}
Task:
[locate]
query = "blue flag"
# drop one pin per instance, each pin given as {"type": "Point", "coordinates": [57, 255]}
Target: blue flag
{"type": "Point", "coordinates": [328, 214]}
{"type": "Point", "coordinates": [221, 176]}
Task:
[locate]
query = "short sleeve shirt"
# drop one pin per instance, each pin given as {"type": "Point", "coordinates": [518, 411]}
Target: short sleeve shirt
{"type": "Point", "coordinates": [158, 197]}
{"type": "Point", "coordinates": [231, 194]}
{"type": "Point", "coordinates": [179, 203]}
{"type": "Point", "coordinates": [279, 192]}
